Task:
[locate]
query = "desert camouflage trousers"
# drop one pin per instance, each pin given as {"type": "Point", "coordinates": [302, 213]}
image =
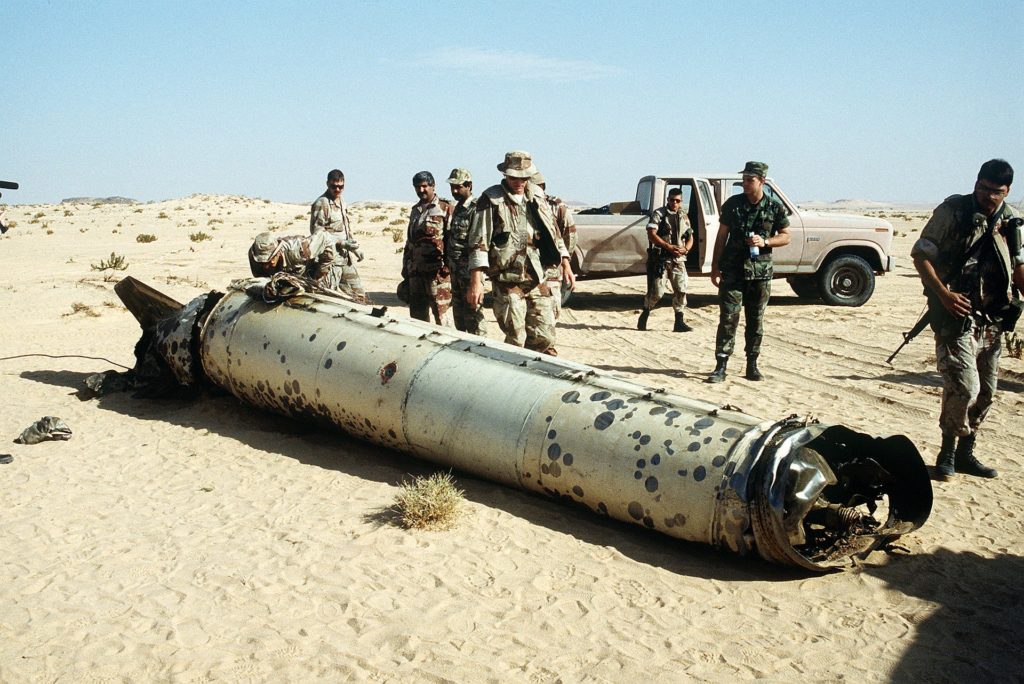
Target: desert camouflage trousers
{"type": "Point", "coordinates": [751, 296]}
{"type": "Point", "coordinates": [675, 277]}
{"type": "Point", "coordinates": [969, 365]}
{"type": "Point", "coordinates": [553, 277]}
{"type": "Point", "coordinates": [430, 297]}
{"type": "Point", "coordinates": [345, 279]}
{"type": "Point", "coordinates": [526, 314]}
{"type": "Point", "coordinates": [467, 319]}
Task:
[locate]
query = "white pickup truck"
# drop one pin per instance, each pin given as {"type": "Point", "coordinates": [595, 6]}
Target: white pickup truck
{"type": "Point", "coordinates": [833, 257]}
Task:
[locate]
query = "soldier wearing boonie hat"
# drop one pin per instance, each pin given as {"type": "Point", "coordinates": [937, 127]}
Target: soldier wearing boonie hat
{"type": "Point", "coordinates": [514, 239]}
{"type": "Point", "coordinates": [751, 225]}
{"type": "Point", "coordinates": [456, 252]}
{"type": "Point", "coordinates": [566, 226]}
{"type": "Point", "coordinates": [305, 255]}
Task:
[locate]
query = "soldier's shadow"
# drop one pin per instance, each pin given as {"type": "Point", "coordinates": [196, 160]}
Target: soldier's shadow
{"type": "Point", "coordinates": [324, 447]}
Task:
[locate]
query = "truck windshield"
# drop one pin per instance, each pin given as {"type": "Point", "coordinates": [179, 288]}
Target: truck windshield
{"type": "Point", "coordinates": [643, 193]}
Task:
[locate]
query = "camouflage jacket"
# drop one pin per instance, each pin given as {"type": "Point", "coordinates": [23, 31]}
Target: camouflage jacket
{"type": "Point", "coordinates": [564, 222]}
{"type": "Point", "coordinates": [765, 218]}
{"type": "Point", "coordinates": [456, 239]}
{"type": "Point", "coordinates": [959, 236]}
{"type": "Point", "coordinates": [510, 240]}
{"type": "Point", "coordinates": [673, 227]}
{"type": "Point", "coordinates": [328, 215]}
{"type": "Point", "coordinates": [305, 255]}
{"type": "Point", "coordinates": [424, 239]}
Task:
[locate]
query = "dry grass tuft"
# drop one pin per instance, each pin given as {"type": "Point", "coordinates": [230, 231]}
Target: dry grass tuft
{"type": "Point", "coordinates": [79, 307]}
{"type": "Point", "coordinates": [429, 503]}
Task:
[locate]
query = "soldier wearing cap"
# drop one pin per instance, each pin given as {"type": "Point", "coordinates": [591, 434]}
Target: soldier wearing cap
{"type": "Point", "coordinates": [566, 226]}
{"type": "Point", "coordinates": [423, 263]}
{"type": "Point", "coordinates": [514, 239]}
{"type": "Point", "coordinates": [329, 213]}
{"type": "Point", "coordinates": [456, 252]}
{"type": "Point", "coordinates": [751, 225]}
{"type": "Point", "coordinates": [669, 239]}
{"type": "Point", "coordinates": [310, 256]}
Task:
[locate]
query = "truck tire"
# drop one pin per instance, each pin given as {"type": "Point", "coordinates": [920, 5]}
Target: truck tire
{"type": "Point", "coordinates": [806, 287]}
{"type": "Point", "coordinates": [566, 293]}
{"type": "Point", "coordinates": [846, 280]}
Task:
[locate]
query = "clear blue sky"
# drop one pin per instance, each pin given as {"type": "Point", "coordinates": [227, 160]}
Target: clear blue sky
{"type": "Point", "coordinates": [891, 100]}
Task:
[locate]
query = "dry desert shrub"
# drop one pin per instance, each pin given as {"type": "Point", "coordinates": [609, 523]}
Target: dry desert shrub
{"type": "Point", "coordinates": [116, 262]}
{"type": "Point", "coordinates": [378, 218]}
{"type": "Point", "coordinates": [79, 307]}
{"type": "Point", "coordinates": [429, 503]}
{"type": "Point", "coordinates": [1014, 345]}
{"type": "Point", "coordinates": [145, 237]}
{"type": "Point", "coordinates": [163, 214]}
{"type": "Point", "coordinates": [199, 237]}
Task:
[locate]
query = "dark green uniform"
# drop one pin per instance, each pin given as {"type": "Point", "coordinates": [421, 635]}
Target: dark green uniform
{"type": "Point", "coordinates": [746, 282]}
{"type": "Point", "coordinates": [456, 251]}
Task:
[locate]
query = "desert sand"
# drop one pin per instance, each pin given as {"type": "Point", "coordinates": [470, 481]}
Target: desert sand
{"type": "Point", "coordinates": [206, 540]}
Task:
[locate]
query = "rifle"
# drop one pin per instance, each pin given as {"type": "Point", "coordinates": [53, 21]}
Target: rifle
{"type": "Point", "coordinates": [908, 337]}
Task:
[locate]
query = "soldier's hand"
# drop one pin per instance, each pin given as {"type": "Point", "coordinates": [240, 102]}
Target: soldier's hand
{"type": "Point", "coordinates": [956, 303]}
{"type": "Point", "coordinates": [475, 293]}
{"type": "Point", "coordinates": [716, 276]}
{"type": "Point", "coordinates": [358, 254]}
{"type": "Point", "coordinates": [568, 277]}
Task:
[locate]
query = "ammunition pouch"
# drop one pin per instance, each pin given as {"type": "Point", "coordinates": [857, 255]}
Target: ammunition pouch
{"type": "Point", "coordinates": [1010, 314]}
{"type": "Point", "coordinates": [944, 324]}
{"type": "Point", "coordinates": [655, 264]}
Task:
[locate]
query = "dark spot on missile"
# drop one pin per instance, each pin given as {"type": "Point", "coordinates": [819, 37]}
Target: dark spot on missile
{"type": "Point", "coordinates": [548, 419]}
{"type": "Point", "coordinates": [694, 446]}
{"type": "Point", "coordinates": [312, 337]}
{"type": "Point", "coordinates": [655, 459]}
{"type": "Point", "coordinates": [604, 420]}
{"type": "Point", "coordinates": [600, 396]}
{"type": "Point", "coordinates": [287, 388]}
{"type": "Point", "coordinates": [641, 463]}
{"type": "Point", "coordinates": [678, 520]}
{"type": "Point", "coordinates": [636, 435]}
{"type": "Point", "coordinates": [552, 434]}
{"type": "Point", "coordinates": [341, 345]}
{"type": "Point", "coordinates": [671, 416]}
{"type": "Point", "coordinates": [629, 415]}
{"type": "Point", "coordinates": [681, 473]}
{"type": "Point", "coordinates": [638, 475]}
{"type": "Point", "coordinates": [651, 484]}
{"type": "Point", "coordinates": [295, 386]}
{"type": "Point", "coordinates": [636, 448]}
{"type": "Point", "coordinates": [616, 404]}
{"type": "Point", "coordinates": [368, 423]}
{"type": "Point", "coordinates": [699, 473]}
{"type": "Point", "coordinates": [283, 358]}
{"type": "Point", "coordinates": [328, 363]}
{"type": "Point", "coordinates": [729, 468]}
{"type": "Point", "coordinates": [556, 470]}
{"type": "Point", "coordinates": [387, 372]}
{"type": "Point", "coordinates": [577, 490]}
{"type": "Point", "coordinates": [731, 432]}
{"type": "Point", "coordinates": [571, 398]}
{"type": "Point", "coordinates": [705, 422]}
{"type": "Point", "coordinates": [602, 508]}
{"type": "Point", "coordinates": [567, 459]}
{"type": "Point", "coordinates": [707, 440]}
{"type": "Point", "coordinates": [554, 451]}
{"type": "Point", "coordinates": [635, 510]}
{"type": "Point", "coordinates": [658, 410]}
{"type": "Point", "coordinates": [718, 461]}
{"type": "Point", "coordinates": [648, 522]}
{"type": "Point", "coordinates": [544, 468]}
{"type": "Point", "coordinates": [174, 347]}
{"type": "Point", "coordinates": [395, 436]}
{"type": "Point", "coordinates": [259, 385]}
{"type": "Point", "coordinates": [266, 344]}
{"type": "Point", "coordinates": [645, 440]}
{"type": "Point", "coordinates": [288, 372]}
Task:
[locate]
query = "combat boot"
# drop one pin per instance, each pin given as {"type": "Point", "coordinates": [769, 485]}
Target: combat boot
{"type": "Point", "coordinates": [641, 323]}
{"type": "Point", "coordinates": [752, 372]}
{"type": "Point", "coordinates": [965, 461]}
{"type": "Point", "coordinates": [944, 461]}
{"type": "Point", "coordinates": [719, 373]}
{"type": "Point", "coordinates": [680, 325]}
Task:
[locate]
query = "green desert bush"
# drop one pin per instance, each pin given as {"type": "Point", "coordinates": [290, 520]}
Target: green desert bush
{"type": "Point", "coordinates": [116, 262]}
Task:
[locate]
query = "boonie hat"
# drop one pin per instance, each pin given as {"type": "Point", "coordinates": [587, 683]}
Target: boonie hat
{"type": "Point", "coordinates": [263, 247]}
{"type": "Point", "coordinates": [459, 176]}
{"type": "Point", "coordinates": [538, 179]}
{"type": "Point", "coordinates": [754, 168]}
{"type": "Point", "coordinates": [518, 164]}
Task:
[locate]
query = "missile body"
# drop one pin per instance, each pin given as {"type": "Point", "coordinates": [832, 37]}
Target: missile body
{"type": "Point", "coordinates": [798, 493]}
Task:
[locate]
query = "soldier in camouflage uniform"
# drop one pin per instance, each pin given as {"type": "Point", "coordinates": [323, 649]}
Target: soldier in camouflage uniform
{"type": "Point", "coordinates": [969, 259]}
{"type": "Point", "coordinates": [423, 265]}
{"type": "Point", "coordinates": [751, 225]}
{"type": "Point", "coordinates": [514, 239]}
{"type": "Point", "coordinates": [456, 252]}
{"type": "Point", "coordinates": [670, 239]}
{"type": "Point", "coordinates": [566, 226]}
{"type": "Point", "coordinates": [330, 214]}
{"type": "Point", "coordinates": [310, 256]}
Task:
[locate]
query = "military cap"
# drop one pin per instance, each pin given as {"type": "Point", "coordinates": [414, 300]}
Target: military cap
{"type": "Point", "coordinates": [538, 179]}
{"type": "Point", "coordinates": [518, 164]}
{"type": "Point", "coordinates": [754, 168]}
{"type": "Point", "coordinates": [263, 247]}
{"type": "Point", "coordinates": [459, 176]}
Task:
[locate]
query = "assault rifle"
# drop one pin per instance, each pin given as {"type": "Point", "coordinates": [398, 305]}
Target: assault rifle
{"type": "Point", "coordinates": [909, 336]}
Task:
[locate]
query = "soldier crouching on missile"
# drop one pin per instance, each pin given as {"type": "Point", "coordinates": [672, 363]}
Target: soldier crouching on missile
{"type": "Point", "coordinates": [329, 213]}
{"type": "Point", "coordinates": [670, 239]}
{"type": "Point", "coordinates": [970, 262]}
{"type": "Point", "coordinates": [513, 237]}
{"type": "Point", "coordinates": [423, 264]}
{"type": "Point", "coordinates": [308, 256]}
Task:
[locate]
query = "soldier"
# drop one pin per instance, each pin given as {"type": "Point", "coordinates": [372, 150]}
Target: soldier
{"type": "Point", "coordinates": [669, 239]}
{"type": "Point", "coordinates": [330, 214]}
{"type": "Point", "coordinates": [310, 256]}
{"type": "Point", "coordinates": [456, 252]}
{"type": "Point", "coordinates": [423, 265]}
{"type": "Point", "coordinates": [513, 238]}
{"type": "Point", "coordinates": [566, 226]}
{"type": "Point", "coordinates": [751, 225]}
{"type": "Point", "coordinates": [969, 259]}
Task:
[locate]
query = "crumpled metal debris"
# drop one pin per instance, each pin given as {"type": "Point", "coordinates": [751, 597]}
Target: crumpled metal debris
{"type": "Point", "coordinates": [110, 381]}
{"type": "Point", "coordinates": [45, 429]}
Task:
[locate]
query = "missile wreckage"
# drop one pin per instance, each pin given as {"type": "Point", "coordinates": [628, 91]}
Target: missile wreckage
{"type": "Point", "coordinates": [794, 491]}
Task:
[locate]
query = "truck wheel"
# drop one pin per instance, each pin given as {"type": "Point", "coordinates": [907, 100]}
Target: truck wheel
{"type": "Point", "coordinates": [566, 294]}
{"type": "Point", "coordinates": [806, 287]}
{"type": "Point", "coordinates": [846, 281]}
